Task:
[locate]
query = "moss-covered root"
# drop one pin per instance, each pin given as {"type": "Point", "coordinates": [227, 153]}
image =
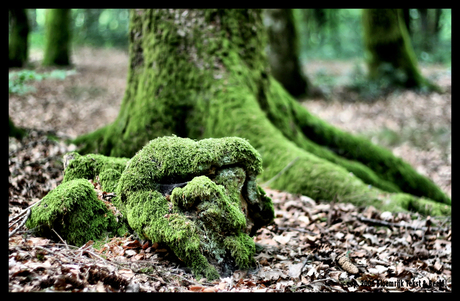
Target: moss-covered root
{"type": "Point", "coordinates": [72, 210]}
{"type": "Point", "coordinates": [289, 166]}
{"type": "Point", "coordinates": [373, 164]}
{"type": "Point", "coordinates": [323, 180]}
{"type": "Point", "coordinates": [411, 203]}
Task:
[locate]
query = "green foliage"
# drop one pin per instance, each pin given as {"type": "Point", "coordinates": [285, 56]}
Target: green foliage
{"type": "Point", "coordinates": [340, 36]}
{"type": "Point", "coordinates": [89, 27]}
{"type": "Point", "coordinates": [101, 27]}
{"type": "Point", "coordinates": [18, 79]}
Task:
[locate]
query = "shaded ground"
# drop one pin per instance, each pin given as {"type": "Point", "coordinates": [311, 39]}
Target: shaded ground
{"type": "Point", "coordinates": [392, 252]}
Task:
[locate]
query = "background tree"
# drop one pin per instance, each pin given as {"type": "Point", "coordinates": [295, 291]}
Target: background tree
{"type": "Point", "coordinates": [91, 25]}
{"type": "Point", "coordinates": [390, 53]}
{"type": "Point", "coordinates": [283, 52]}
{"type": "Point", "coordinates": [57, 49]}
{"type": "Point", "coordinates": [18, 45]}
{"type": "Point", "coordinates": [204, 73]}
{"type": "Point", "coordinates": [430, 26]}
{"type": "Point", "coordinates": [14, 131]}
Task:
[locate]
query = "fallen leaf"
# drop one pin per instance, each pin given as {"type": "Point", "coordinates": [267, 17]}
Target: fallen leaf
{"type": "Point", "coordinates": [196, 288]}
{"type": "Point", "coordinates": [295, 270]}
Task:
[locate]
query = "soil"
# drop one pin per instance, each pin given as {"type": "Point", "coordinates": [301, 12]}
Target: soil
{"type": "Point", "coordinates": [310, 246]}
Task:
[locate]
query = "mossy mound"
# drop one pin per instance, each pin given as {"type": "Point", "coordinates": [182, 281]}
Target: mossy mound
{"type": "Point", "coordinates": [207, 218]}
{"type": "Point", "coordinates": [74, 212]}
{"type": "Point", "coordinates": [200, 198]}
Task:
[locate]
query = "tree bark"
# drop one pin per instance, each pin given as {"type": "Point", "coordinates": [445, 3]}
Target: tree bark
{"type": "Point", "coordinates": [283, 54]}
{"type": "Point", "coordinates": [390, 52]}
{"type": "Point", "coordinates": [18, 46]}
{"type": "Point", "coordinates": [57, 36]}
{"type": "Point", "coordinates": [204, 73]}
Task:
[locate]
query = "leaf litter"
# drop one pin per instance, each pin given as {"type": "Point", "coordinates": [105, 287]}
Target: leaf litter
{"type": "Point", "coordinates": [304, 250]}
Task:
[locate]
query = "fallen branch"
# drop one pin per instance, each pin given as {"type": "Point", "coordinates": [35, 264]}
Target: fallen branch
{"type": "Point", "coordinates": [398, 225]}
{"type": "Point", "coordinates": [20, 225]}
{"type": "Point", "coordinates": [23, 212]}
{"type": "Point", "coordinates": [296, 229]}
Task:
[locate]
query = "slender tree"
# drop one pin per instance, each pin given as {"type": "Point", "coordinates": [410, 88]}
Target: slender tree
{"type": "Point", "coordinates": [204, 73]}
{"type": "Point", "coordinates": [57, 36]}
{"type": "Point", "coordinates": [18, 48]}
{"type": "Point", "coordinates": [390, 53]}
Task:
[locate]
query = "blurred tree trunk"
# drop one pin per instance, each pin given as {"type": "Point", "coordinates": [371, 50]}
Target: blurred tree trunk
{"type": "Point", "coordinates": [57, 37]}
{"type": "Point", "coordinates": [283, 53]}
{"type": "Point", "coordinates": [14, 131]}
{"type": "Point", "coordinates": [407, 20]}
{"type": "Point", "coordinates": [429, 24]}
{"type": "Point", "coordinates": [204, 73]}
{"type": "Point", "coordinates": [91, 26]}
{"type": "Point", "coordinates": [388, 44]}
{"type": "Point", "coordinates": [18, 48]}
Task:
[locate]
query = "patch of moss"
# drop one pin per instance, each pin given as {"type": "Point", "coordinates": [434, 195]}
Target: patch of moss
{"type": "Point", "coordinates": [72, 210]}
{"type": "Point", "coordinates": [206, 221]}
{"type": "Point", "coordinates": [108, 169]}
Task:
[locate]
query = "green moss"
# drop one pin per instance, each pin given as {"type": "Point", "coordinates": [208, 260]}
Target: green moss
{"type": "Point", "coordinates": [92, 165]}
{"type": "Point", "coordinates": [209, 218]}
{"type": "Point", "coordinates": [73, 211]}
{"type": "Point", "coordinates": [109, 179]}
{"type": "Point", "coordinates": [242, 249]}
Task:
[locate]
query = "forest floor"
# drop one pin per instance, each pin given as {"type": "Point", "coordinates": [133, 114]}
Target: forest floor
{"type": "Point", "coordinates": [302, 248]}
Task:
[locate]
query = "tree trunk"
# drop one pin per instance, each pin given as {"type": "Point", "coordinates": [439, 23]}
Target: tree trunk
{"type": "Point", "coordinates": [57, 36]}
{"type": "Point", "coordinates": [283, 52]}
{"type": "Point", "coordinates": [18, 38]}
{"type": "Point", "coordinates": [204, 73]}
{"type": "Point", "coordinates": [15, 131]}
{"type": "Point", "coordinates": [390, 51]}
{"type": "Point", "coordinates": [91, 26]}
{"type": "Point", "coordinates": [429, 24]}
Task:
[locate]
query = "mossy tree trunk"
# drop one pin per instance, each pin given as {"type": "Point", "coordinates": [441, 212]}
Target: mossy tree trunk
{"type": "Point", "coordinates": [18, 46]}
{"type": "Point", "coordinates": [389, 49]}
{"type": "Point", "coordinates": [204, 73]}
{"type": "Point", "coordinates": [57, 36]}
{"type": "Point", "coordinates": [283, 54]}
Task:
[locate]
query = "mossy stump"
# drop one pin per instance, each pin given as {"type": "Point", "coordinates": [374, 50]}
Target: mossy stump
{"type": "Point", "coordinates": [200, 198]}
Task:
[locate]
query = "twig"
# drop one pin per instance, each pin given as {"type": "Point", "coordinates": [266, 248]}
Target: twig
{"type": "Point", "coordinates": [279, 173]}
{"type": "Point", "coordinates": [296, 229]}
{"type": "Point", "coordinates": [20, 225]}
{"type": "Point", "coordinates": [23, 212]}
{"type": "Point", "coordinates": [66, 246]}
{"type": "Point", "coordinates": [399, 225]}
